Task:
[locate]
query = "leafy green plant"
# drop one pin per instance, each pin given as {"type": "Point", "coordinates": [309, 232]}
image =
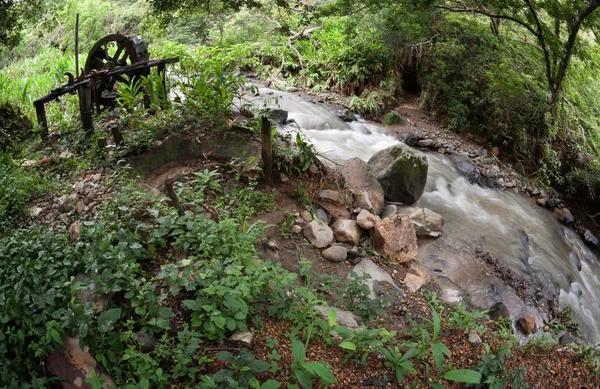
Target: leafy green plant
{"type": "Point", "coordinates": [392, 117]}
{"type": "Point", "coordinates": [464, 320]}
{"type": "Point", "coordinates": [361, 342]}
{"type": "Point", "coordinates": [240, 372]}
{"type": "Point", "coordinates": [293, 154]}
{"type": "Point", "coordinates": [400, 363]}
{"type": "Point", "coordinates": [305, 371]}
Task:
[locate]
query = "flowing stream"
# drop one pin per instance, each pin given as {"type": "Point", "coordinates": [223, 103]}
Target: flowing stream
{"type": "Point", "coordinates": [516, 232]}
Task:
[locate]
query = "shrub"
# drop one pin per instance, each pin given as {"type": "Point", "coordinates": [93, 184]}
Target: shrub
{"type": "Point", "coordinates": [15, 127]}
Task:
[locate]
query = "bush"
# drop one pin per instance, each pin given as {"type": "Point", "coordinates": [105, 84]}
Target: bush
{"type": "Point", "coordinates": [15, 127]}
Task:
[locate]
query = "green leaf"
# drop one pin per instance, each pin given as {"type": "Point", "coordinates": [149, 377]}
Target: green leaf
{"type": "Point", "coordinates": [332, 317]}
{"type": "Point", "coordinates": [194, 305]}
{"type": "Point", "coordinates": [108, 318]}
{"type": "Point", "coordinates": [348, 346]}
{"type": "Point", "coordinates": [258, 366]}
{"type": "Point", "coordinates": [270, 384]}
{"type": "Point", "coordinates": [320, 370]}
{"type": "Point", "coordinates": [303, 378]}
{"type": "Point", "coordinates": [463, 375]}
{"type": "Point", "coordinates": [298, 350]}
{"type": "Point", "coordinates": [439, 349]}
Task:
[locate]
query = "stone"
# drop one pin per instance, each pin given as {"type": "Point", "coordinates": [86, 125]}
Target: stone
{"type": "Point", "coordinates": [147, 342]}
{"type": "Point", "coordinates": [361, 181]}
{"type": "Point", "coordinates": [347, 231]}
{"type": "Point", "coordinates": [387, 291]}
{"type": "Point", "coordinates": [322, 215]}
{"type": "Point", "coordinates": [318, 233]}
{"type": "Point", "coordinates": [402, 173]}
{"type": "Point", "coordinates": [75, 365]}
{"type": "Point", "coordinates": [343, 317]}
{"type": "Point", "coordinates": [414, 282]}
{"type": "Point", "coordinates": [408, 138]}
{"type": "Point", "coordinates": [568, 338]}
{"type": "Point", "coordinates": [388, 211]}
{"type": "Point", "coordinates": [335, 254]}
{"type": "Point", "coordinates": [474, 339]}
{"type": "Point", "coordinates": [395, 237]}
{"type": "Point", "coordinates": [306, 216]}
{"type": "Point", "coordinates": [284, 178]}
{"type": "Point", "coordinates": [66, 155]}
{"type": "Point", "coordinates": [520, 169]}
{"type": "Point", "coordinates": [366, 220]}
{"type": "Point", "coordinates": [74, 232]}
{"type": "Point", "coordinates": [541, 202]}
{"type": "Point", "coordinates": [67, 203]}
{"type": "Point", "coordinates": [528, 324]}
{"type": "Point", "coordinates": [35, 212]}
{"type": "Point", "coordinates": [495, 151]}
{"type": "Point", "coordinates": [331, 195]}
{"type": "Point", "coordinates": [243, 338]}
{"type": "Point", "coordinates": [427, 143]}
{"type": "Point", "coordinates": [376, 274]}
{"type": "Point", "coordinates": [590, 239]}
{"type": "Point", "coordinates": [279, 116]}
{"type": "Point", "coordinates": [427, 223]}
{"type": "Point", "coordinates": [568, 218]}
{"type": "Point", "coordinates": [296, 229]}
{"type": "Point", "coordinates": [346, 115]}
{"type": "Point", "coordinates": [499, 311]}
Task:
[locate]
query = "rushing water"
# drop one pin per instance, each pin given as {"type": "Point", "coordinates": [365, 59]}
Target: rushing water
{"type": "Point", "coordinates": [521, 235]}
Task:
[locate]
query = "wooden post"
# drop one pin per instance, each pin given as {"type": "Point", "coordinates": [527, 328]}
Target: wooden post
{"type": "Point", "coordinates": [85, 107]}
{"type": "Point", "coordinates": [163, 78]}
{"type": "Point", "coordinates": [77, 45]}
{"type": "Point", "coordinates": [173, 196]}
{"type": "Point", "coordinates": [40, 111]}
{"type": "Point", "coordinates": [267, 150]}
{"type": "Point", "coordinates": [117, 136]}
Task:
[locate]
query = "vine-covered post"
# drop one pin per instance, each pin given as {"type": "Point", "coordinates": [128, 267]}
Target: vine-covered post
{"type": "Point", "coordinates": [267, 149]}
{"type": "Point", "coordinates": [40, 111]}
{"type": "Point", "coordinates": [85, 106]}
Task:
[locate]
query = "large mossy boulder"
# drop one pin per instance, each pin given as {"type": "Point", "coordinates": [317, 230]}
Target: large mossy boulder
{"type": "Point", "coordinates": [402, 173]}
{"type": "Point", "coordinates": [362, 182]}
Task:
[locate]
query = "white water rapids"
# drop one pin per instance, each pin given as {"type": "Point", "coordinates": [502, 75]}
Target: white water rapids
{"type": "Point", "coordinates": [519, 234]}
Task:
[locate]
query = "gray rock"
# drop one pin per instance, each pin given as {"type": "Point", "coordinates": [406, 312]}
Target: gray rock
{"type": "Point", "coordinates": [499, 311]}
{"type": "Point", "coordinates": [35, 212]}
{"type": "Point", "coordinates": [296, 229]}
{"type": "Point", "coordinates": [568, 338]}
{"type": "Point", "coordinates": [279, 115]}
{"type": "Point", "coordinates": [346, 115]}
{"type": "Point", "coordinates": [367, 220]}
{"type": "Point", "coordinates": [520, 169]}
{"type": "Point", "coordinates": [362, 129]}
{"type": "Point", "coordinates": [335, 254]}
{"type": "Point", "coordinates": [344, 318]}
{"type": "Point", "coordinates": [590, 239]}
{"type": "Point", "coordinates": [364, 185]}
{"type": "Point", "coordinates": [322, 215]}
{"type": "Point", "coordinates": [67, 203]}
{"type": "Point", "coordinates": [147, 342]}
{"type": "Point", "coordinates": [306, 216]}
{"type": "Point", "coordinates": [427, 143]}
{"type": "Point", "coordinates": [402, 173]}
{"type": "Point", "coordinates": [284, 178]}
{"type": "Point", "coordinates": [427, 223]}
{"type": "Point", "coordinates": [79, 187]}
{"type": "Point", "coordinates": [376, 274]}
{"type": "Point", "coordinates": [318, 233]}
{"type": "Point", "coordinates": [408, 138]}
{"type": "Point", "coordinates": [347, 231]}
{"type": "Point", "coordinates": [474, 339]}
{"type": "Point", "coordinates": [388, 211]}
{"type": "Point", "coordinates": [243, 338]}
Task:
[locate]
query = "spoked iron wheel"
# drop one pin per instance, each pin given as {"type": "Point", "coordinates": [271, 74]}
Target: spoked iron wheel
{"type": "Point", "coordinates": [110, 52]}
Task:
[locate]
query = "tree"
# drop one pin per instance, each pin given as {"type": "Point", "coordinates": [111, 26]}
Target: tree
{"type": "Point", "coordinates": [166, 7]}
{"type": "Point", "coordinates": [554, 26]}
{"type": "Point", "coordinates": [12, 15]}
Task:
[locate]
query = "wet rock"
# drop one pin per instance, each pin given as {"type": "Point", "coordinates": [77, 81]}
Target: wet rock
{"type": "Point", "coordinates": [427, 143]}
{"type": "Point", "coordinates": [243, 338]}
{"type": "Point", "coordinates": [75, 365]}
{"type": "Point", "coordinates": [427, 223]}
{"type": "Point", "coordinates": [569, 338]}
{"type": "Point", "coordinates": [364, 185]}
{"type": "Point", "coordinates": [499, 311]}
{"type": "Point", "coordinates": [408, 138]}
{"type": "Point", "coordinates": [367, 220]}
{"type": "Point", "coordinates": [362, 129]}
{"type": "Point", "coordinates": [331, 195]}
{"type": "Point", "coordinates": [318, 233]}
{"type": "Point", "coordinates": [474, 339]}
{"type": "Point", "coordinates": [147, 342]}
{"type": "Point", "coordinates": [388, 211]}
{"type": "Point", "coordinates": [335, 254]}
{"type": "Point", "coordinates": [402, 173]}
{"type": "Point", "coordinates": [468, 169]}
{"type": "Point", "coordinates": [322, 215]}
{"type": "Point", "coordinates": [296, 229]}
{"type": "Point", "coordinates": [590, 239]}
{"type": "Point", "coordinates": [541, 202]}
{"type": "Point", "coordinates": [279, 116]}
{"type": "Point", "coordinates": [414, 282]}
{"type": "Point", "coordinates": [564, 215]}
{"type": "Point", "coordinates": [395, 237]}
{"type": "Point", "coordinates": [346, 115]}
{"type": "Point", "coordinates": [376, 274]}
{"type": "Point", "coordinates": [68, 203]}
{"type": "Point", "coordinates": [347, 231]}
{"type": "Point", "coordinates": [343, 317]}
{"type": "Point", "coordinates": [528, 324]}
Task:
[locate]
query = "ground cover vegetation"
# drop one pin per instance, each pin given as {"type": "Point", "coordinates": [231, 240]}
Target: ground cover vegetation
{"type": "Point", "coordinates": [189, 281]}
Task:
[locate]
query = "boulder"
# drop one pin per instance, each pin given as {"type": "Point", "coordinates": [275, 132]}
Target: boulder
{"type": "Point", "coordinates": [322, 215]}
{"type": "Point", "coordinates": [408, 138]}
{"type": "Point", "coordinates": [75, 365]}
{"type": "Point", "coordinates": [331, 195]}
{"type": "Point", "coordinates": [317, 233]}
{"type": "Point", "coordinates": [67, 203]}
{"type": "Point", "coordinates": [377, 278]}
{"type": "Point", "coordinates": [347, 231]}
{"type": "Point", "coordinates": [395, 237]}
{"type": "Point", "coordinates": [528, 324]}
{"type": "Point", "coordinates": [364, 185]}
{"type": "Point", "coordinates": [346, 115]}
{"type": "Point", "coordinates": [243, 338]}
{"type": "Point", "coordinates": [146, 342]}
{"type": "Point", "coordinates": [427, 223]}
{"type": "Point", "coordinates": [402, 173]}
{"type": "Point", "coordinates": [590, 239]}
{"type": "Point", "coordinates": [499, 311]}
{"type": "Point", "coordinates": [414, 282]}
{"type": "Point", "coordinates": [367, 220]}
{"type": "Point", "coordinates": [335, 254]}
{"type": "Point", "coordinates": [388, 211]}
{"type": "Point", "coordinates": [344, 318]}
{"type": "Point", "coordinates": [279, 116]}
